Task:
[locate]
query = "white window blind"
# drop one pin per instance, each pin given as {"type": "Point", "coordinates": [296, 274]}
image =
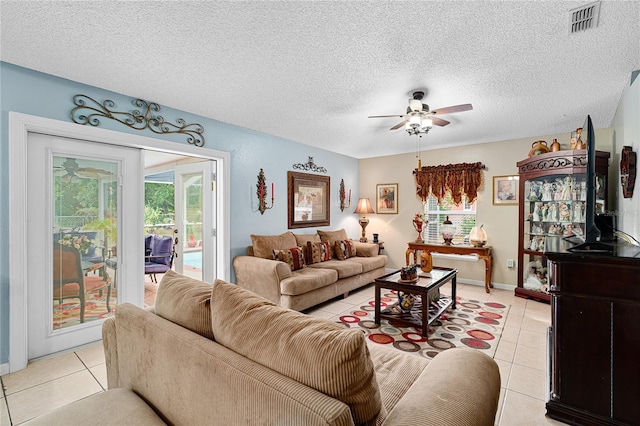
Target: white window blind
{"type": "Point", "coordinates": [462, 216]}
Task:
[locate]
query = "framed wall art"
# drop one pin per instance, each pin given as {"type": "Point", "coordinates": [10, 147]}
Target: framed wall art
{"type": "Point", "coordinates": [505, 189]}
{"type": "Point", "coordinates": [387, 198]}
{"type": "Point", "coordinates": [308, 200]}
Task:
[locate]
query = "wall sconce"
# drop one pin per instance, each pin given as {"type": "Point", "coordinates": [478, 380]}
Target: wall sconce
{"type": "Point", "coordinates": [261, 192]}
{"type": "Point", "coordinates": [342, 197]}
{"type": "Point", "coordinates": [364, 207]}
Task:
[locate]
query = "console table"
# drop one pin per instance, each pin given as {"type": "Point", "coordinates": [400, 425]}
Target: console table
{"type": "Point", "coordinates": [483, 253]}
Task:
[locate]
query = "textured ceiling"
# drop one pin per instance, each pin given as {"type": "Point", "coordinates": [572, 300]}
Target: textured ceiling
{"type": "Point", "coordinates": [312, 72]}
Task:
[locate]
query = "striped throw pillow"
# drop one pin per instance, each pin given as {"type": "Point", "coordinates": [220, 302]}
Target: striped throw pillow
{"type": "Point", "coordinates": [293, 256]}
{"type": "Point", "coordinates": [345, 249]}
{"type": "Point", "coordinates": [318, 252]}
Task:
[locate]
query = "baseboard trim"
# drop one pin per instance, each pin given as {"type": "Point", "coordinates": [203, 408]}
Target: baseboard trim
{"type": "Point", "coordinates": [4, 369]}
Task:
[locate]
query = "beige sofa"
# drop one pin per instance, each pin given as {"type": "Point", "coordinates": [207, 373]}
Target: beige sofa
{"type": "Point", "coordinates": [315, 282]}
{"type": "Point", "coordinates": [225, 356]}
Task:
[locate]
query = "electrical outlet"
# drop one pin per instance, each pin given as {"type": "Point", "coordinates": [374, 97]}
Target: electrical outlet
{"type": "Point", "coordinates": [511, 263]}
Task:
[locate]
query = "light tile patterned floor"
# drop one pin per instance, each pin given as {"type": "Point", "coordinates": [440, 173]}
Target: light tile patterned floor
{"type": "Point", "coordinates": [60, 379]}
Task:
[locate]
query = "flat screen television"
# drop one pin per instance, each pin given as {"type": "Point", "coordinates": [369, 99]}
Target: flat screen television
{"type": "Point", "coordinates": [591, 238]}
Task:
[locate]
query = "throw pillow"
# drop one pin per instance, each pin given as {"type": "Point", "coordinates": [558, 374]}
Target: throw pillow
{"type": "Point", "coordinates": [186, 302]}
{"type": "Point", "coordinates": [311, 350]}
{"type": "Point", "coordinates": [293, 256]}
{"type": "Point", "coordinates": [332, 236]}
{"type": "Point", "coordinates": [264, 245]}
{"type": "Point", "coordinates": [318, 252]}
{"type": "Point", "coordinates": [303, 239]}
{"type": "Point", "coordinates": [345, 249]}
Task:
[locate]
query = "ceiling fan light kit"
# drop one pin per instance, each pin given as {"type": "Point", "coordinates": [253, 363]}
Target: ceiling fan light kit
{"type": "Point", "coordinates": [419, 119]}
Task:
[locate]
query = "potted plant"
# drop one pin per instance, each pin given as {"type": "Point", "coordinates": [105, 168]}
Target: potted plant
{"type": "Point", "coordinates": [192, 238]}
{"type": "Point", "coordinates": [109, 227]}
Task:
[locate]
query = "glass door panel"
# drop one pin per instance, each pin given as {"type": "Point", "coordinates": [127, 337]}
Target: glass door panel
{"type": "Point", "coordinates": [192, 220]}
{"type": "Point", "coordinates": [85, 205]}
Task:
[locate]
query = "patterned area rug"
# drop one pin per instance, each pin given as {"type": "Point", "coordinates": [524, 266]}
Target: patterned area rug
{"type": "Point", "coordinates": [68, 313]}
{"type": "Point", "coordinates": [473, 324]}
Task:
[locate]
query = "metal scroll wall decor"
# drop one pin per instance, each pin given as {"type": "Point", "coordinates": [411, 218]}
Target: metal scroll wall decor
{"type": "Point", "coordinates": [310, 166]}
{"type": "Point", "coordinates": [89, 111]}
{"type": "Point", "coordinates": [261, 192]}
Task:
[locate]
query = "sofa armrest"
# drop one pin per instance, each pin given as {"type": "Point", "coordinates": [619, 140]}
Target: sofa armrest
{"type": "Point", "coordinates": [459, 387]}
{"type": "Point", "coordinates": [110, 352]}
{"type": "Point", "coordinates": [262, 276]}
{"type": "Point", "coordinates": [366, 249]}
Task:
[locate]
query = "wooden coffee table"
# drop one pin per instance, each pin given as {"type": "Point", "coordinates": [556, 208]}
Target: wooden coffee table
{"type": "Point", "coordinates": [423, 313]}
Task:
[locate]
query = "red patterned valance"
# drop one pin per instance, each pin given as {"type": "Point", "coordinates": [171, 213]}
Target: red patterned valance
{"type": "Point", "coordinates": [459, 179]}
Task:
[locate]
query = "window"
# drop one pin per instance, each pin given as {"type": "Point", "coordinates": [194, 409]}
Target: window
{"type": "Point", "coordinates": [462, 216]}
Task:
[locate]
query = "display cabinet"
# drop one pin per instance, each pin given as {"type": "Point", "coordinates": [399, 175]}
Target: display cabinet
{"type": "Point", "coordinates": [553, 193]}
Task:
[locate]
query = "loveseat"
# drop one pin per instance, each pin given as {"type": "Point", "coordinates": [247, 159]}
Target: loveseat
{"type": "Point", "coordinates": [223, 355]}
{"type": "Point", "coordinates": [298, 271]}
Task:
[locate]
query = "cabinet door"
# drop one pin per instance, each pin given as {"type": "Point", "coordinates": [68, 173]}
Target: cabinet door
{"type": "Point", "coordinates": [626, 368]}
{"type": "Point", "coordinates": [582, 353]}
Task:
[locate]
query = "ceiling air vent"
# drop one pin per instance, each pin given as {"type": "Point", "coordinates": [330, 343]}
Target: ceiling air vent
{"type": "Point", "coordinates": [584, 18]}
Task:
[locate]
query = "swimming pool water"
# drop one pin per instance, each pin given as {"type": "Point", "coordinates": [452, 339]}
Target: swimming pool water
{"type": "Point", "coordinates": [193, 259]}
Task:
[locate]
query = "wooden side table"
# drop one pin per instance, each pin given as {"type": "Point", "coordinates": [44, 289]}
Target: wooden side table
{"type": "Point", "coordinates": [483, 253]}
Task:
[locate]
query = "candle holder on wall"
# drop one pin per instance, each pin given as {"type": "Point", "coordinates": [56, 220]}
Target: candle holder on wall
{"type": "Point", "coordinates": [261, 192]}
{"type": "Point", "coordinates": [343, 197]}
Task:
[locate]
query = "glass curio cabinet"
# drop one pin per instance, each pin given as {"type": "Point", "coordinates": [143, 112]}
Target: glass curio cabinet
{"type": "Point", "coordinates": [552, 206]}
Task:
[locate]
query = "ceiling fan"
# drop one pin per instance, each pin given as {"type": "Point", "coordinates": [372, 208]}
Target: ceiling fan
{"type": "Point", "coordinates": [419, 119]}
{"type": "Point", "coordinates": [71, 171]}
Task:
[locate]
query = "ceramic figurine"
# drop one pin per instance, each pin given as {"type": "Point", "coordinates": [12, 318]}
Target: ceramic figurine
{"type": "Point", "coordinates": [547, 191]}
{"type": "Point", "coordinates": [566, 188]}
{"type": "Point", "coordinates": [536, 212]}
{"type": "Point", "coordinates": [552, 216]}
{"type": "Point", "coordinates": [545, 212]}
{"type": "Point", "coordinates": [534, 243]}
{"type": "Point", "coordinates": [558, 187]}
{"type": "Point", "coordinates": [565, 213]}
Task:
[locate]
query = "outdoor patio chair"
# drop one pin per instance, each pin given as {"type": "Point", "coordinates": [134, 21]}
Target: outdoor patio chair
{"type": "Point", "coordinates": [159, 254]}
{"type": "Point", "coordinates": [70, 279]}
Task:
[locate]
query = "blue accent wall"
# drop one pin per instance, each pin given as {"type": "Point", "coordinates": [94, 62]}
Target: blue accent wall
{"type": "Point", "coordinates": [34, 93]}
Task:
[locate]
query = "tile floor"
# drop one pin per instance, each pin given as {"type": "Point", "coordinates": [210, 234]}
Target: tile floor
{"type": "Point", "coordinates": [59, 379]}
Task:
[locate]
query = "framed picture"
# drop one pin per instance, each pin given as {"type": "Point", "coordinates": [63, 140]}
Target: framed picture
{"type": "Point", "coordinates": [387, 198]}
{"type": "Point", "coordinates": [308, 197]}
{"type": "Point", "coordinates": [505, 189]}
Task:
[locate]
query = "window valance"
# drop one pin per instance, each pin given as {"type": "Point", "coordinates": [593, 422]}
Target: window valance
{"type": "Point", "coordinates": [458, 179]}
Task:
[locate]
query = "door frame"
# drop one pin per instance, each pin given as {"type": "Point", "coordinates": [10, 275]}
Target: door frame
{"type": "Point", "coordinates": [19, 127]}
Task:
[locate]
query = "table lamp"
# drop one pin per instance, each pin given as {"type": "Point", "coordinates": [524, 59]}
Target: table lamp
{"type": "Point", "coordinates": [363, 207]}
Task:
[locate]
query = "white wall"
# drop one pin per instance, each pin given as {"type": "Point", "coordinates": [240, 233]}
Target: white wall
{"type": "Point", "coordinates": [500, 221]}
{"type": "Point", "coordinates": [626, 132]}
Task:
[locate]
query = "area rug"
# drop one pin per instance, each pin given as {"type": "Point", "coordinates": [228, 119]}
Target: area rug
{"type": "Point", "coordinates": [68, 313]}
{"type": "Point", "coordinates": [474, 324]}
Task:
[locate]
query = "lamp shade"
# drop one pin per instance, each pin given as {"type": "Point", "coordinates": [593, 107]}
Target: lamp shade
{"type": "Point", "coordinates": [364, 206]}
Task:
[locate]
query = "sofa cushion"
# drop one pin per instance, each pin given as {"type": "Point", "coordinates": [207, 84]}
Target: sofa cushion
{"type": "Point", "coordinates": [370, 263]}
{"type": "Point", "coordinates": [306, 280]}
{"type": "Point", "coordinates": [344, 268]}
{"type": "Point", "coordinates": [332, 236]}
{"type": "Point", "coordinates": [302, 239]}
{"type": "Point", "coordinates": [366, 249]}
{"type": "Point", "coordinates": [345, 249]}
{"type": "Point", "coordinates": [318, 252]}
{"type": "Point", "coordinates": [314, 351]}
{"type": "Point", "coordinates": [293, 257]}
{"type": "Point", "coordinates": [264, 245]}
{"type": "Point", "coordinates": [396, 371]}
{"type": "Point", "coordinates": [186, 302]}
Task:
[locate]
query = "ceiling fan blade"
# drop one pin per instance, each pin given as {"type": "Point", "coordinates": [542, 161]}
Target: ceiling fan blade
{"type": "Point", "coordinates": [386, 116]}
{"type": "Point", "coordinates": [438, 121]}
{"type": "Point", "coordinates": [452, 109]}
{"type": "Point", "coordinates": [397, 126]}
{"type": "Point", "coordinates": [95, 171]}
